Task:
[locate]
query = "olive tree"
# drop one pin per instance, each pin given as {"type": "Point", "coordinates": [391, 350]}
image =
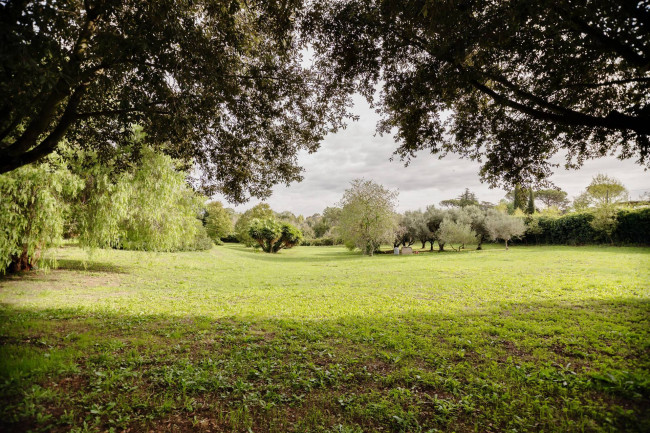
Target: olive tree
{"type": "Point", "coordinates": [434, 218]}
{"type": "Point", "coordinates": [368, 216]}
{"type": "Point", "coordinates": [417, 222]}
{"type": "Point", "coordinates": [456, 232]}
{"type": "Point", "coordinates": [504, 227]}
{"type": "Point", "coordinates": [477, 217]}
{"type": "Point", "coordinates": [406, 232]}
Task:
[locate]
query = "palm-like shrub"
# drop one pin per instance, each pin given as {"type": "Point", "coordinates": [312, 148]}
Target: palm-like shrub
{"type": "Point", "coordinates": [272, 235]}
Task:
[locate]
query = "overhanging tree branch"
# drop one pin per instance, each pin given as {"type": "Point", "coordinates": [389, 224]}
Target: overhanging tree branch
{"type": "Point", "coordinates": [49, 143]}
{"type": "Point", "coordinates": [614, 120]}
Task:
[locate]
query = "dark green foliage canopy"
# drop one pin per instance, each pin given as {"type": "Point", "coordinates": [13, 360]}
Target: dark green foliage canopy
{"type": "Point", "coordinates": [520, 79]}
{"type": "Point", "coordinates": [519, 197]}
{"type": "Point", "coordinates": [260, 211]}
{"type": "Point", "coordinates": [530, 208]}
{"type": "Point", "coordinates": [467, 198]}
{"type": "Point", "coordinates": [217, 221]}
{"type": "Point", "coordinates": [552, 197]}
{"type": "Point", "coordinates": [272, 235]}
{"type": "Point", "coordinates": [219, 82]}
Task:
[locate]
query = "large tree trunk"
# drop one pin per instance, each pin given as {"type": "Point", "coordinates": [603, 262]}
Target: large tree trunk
{"type": "Point", "coordinates": [506, 244]}
{"type": "Point", "coordinates": [20, 263]}
{"type": "Point", "coordinates": [480, 243]}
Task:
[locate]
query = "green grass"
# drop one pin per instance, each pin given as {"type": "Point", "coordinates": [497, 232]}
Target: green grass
{"type": "Point", "coordinates": [318, 339]}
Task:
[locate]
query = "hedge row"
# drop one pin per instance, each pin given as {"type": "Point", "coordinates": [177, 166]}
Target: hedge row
{"type": "Point", "coordinates": [321, 242]}
{"type": "Point", "coordinates": [633, 227]}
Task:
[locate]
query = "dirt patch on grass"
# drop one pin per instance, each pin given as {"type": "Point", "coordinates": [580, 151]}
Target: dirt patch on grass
{"type": "Point", "coordinates": [58, 279]}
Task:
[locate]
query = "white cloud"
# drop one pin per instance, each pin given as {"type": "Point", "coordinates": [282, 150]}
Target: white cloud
{"type": "Point", "coordinates": [357, 152]}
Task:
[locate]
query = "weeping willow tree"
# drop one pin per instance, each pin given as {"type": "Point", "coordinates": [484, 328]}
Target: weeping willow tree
{"type": "Point", "coordinates": [145, 207]}
{"type": "Point", "coordinates": [33, 206]}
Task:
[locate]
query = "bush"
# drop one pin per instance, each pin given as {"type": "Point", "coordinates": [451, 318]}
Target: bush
{"type": "Point", "coordinates": [321, 242]}
{"type": "Point", "coordinates": [633, 227]}
{"type": "Point", "coordinates": [272, 235]}
{"type": "Point", "coordinates": [230, 239]}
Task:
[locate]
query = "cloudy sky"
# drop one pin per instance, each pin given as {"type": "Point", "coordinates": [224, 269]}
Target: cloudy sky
{"type": "Point", "coordinates": [357, 152]}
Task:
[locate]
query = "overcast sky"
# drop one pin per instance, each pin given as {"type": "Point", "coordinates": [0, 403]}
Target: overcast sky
{"type": "Point", "coordinates": [357, 152]}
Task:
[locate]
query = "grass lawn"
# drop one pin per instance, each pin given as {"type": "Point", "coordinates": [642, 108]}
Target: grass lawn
{"type": "Point", "coordinates": [318, 339]}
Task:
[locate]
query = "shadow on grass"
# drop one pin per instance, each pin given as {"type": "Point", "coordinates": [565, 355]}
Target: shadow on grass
{"type": "Point", "coordinates": [89, 265]}
{"type": "Point", "coordinates": [557, 366]}
{"type": "Point", "coordinates": [323, 255]}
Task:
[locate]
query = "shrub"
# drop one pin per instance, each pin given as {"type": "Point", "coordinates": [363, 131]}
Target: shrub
{"type": "Point", "coordinates": [633, 226]}
{"type": "Point", "coordinates": [201, 239]}
{"type": "Point", "coordinates": [272, 235]}
{"type": "Point", "coordinates": [321, 242]}
{"type": "Point", "coordinates": [242, 226]}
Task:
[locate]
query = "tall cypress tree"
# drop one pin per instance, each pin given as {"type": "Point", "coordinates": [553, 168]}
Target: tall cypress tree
{"type": "Point", "coordinates": [531, 202]}
{"type": "Point", "coordinates": [518, 202]}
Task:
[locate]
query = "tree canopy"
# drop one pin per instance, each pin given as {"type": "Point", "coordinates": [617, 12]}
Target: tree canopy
{"type": "Point", "coordinates": [467, 198]}
{"type": "Point", "coordinates": [272, 235]}
{"type": "Point", "coordinates": [508, 83]}
{"type": "Point", "coordinates": [217, 221]}
{"type": "Point", "coordinates": [216, 82]}
{"type": "Point", "coordinates": [552, 197]}
{"type": "Point", "coordinates": [368, 216]}
{"type": "Point", "coordinates": [261, 211]}
{"type": "Point", "coordinates": [604, 190]}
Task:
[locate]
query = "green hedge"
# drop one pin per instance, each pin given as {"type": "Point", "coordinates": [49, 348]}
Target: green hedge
{"type": "Point", "coordinates": [633, 227]}
{"type": "Point", "coordinates": [321, 242]}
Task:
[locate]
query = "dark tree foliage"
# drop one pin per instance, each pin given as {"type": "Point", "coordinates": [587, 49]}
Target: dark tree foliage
{"type": "Point", "coordinates": [519, 197]}
{"type": "Point", "coordinates": [552, 197]}
{"type": "Point", "coordinates": [530, 209]}
{"type": "Point", "coordinates": [467, 198]}
{"type": "Point", "coordinates": [632, 228]}
{"type": "Point", "coordinates": [520, 79]}
{"type": "Point", "coordinates": [217, 82]}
